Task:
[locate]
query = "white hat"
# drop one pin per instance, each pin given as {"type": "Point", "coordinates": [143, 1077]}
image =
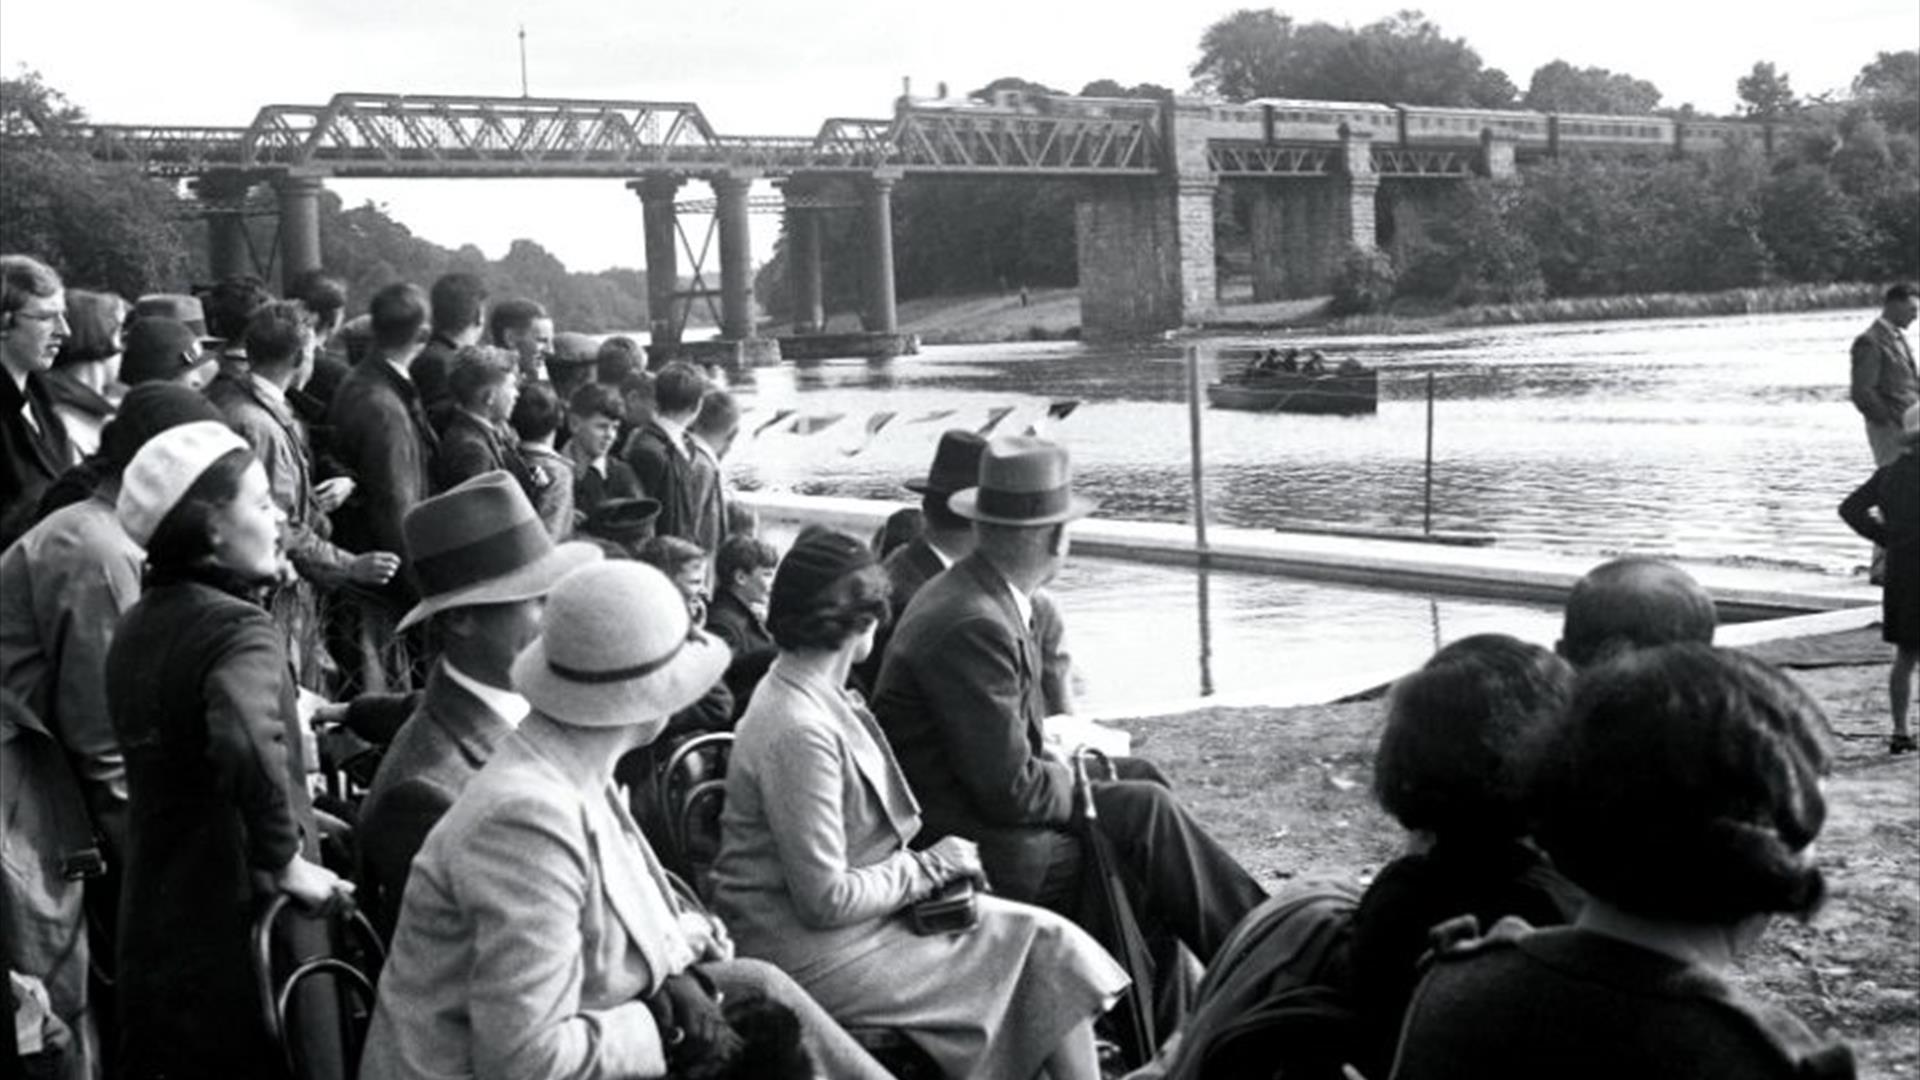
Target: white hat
{"type": "Point", "coordinates": [161, 472]}
{"type": "Point", "coordinates": [617, 647]}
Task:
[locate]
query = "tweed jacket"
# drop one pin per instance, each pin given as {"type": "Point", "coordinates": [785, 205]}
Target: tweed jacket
{"type": "Point", "coordinates": [381, 436]}
{"type": "Point", "coordinates": [535, 918]}
{"type": "Point", "coordinates": [29, 459]}
{"type": "Point", "coordinates": [814, 832]}
{"type": "Point", "coordinates": [961, 700]}
{"type": "Point", "coordinates": [914, 564]}
{"type": "Point", "coordinates": [63, 588]}
{"type": "Point", "coordinates": [470, 445]}
{"type": "Point", "coordinates": [428, 764]}
{"type": "Point", "coordinates": [1884, 379]}
{"type": "Point", "coordinates": [279, 441]}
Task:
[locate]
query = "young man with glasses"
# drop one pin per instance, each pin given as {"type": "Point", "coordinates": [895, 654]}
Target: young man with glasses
{"type": "Point", "coordinates": [33, 442]}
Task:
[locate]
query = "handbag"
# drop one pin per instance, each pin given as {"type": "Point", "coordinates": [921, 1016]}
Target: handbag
{"type": "Point", "coordinates": [952, 909]}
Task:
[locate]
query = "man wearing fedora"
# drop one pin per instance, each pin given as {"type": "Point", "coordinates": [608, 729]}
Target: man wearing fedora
{"type": "Point", "coordinates": [961, 700]}
{"type": "Point", "coordinates": [484, 561]}
{"type": "Point", "coordinates": [946, 539]}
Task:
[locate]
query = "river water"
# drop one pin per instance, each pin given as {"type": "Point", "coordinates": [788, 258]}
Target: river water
{"type": "Point", "coordinates": [1720, 439]}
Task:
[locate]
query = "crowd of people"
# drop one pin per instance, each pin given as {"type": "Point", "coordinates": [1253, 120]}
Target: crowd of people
{"type": "Point", "coordinates": [251, 541]}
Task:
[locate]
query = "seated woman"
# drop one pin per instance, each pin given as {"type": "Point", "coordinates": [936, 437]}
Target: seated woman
{"type": "Point", "coordinates": [1450, 769]}
{"type": "Point", "coordinates": [539, 936]}
{"type": "Point", "coordinates": [1682, 792]}
{"type": "Point", "coordinates": [815, 866]}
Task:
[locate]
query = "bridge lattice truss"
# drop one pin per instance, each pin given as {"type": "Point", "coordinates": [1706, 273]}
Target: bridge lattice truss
{"type": "Point", "coordinates": [386, 135]}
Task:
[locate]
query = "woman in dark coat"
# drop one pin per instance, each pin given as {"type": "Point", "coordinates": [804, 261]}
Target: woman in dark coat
{"type": "Point", "coordinates": [199, 691]}
{"type": "Point", "coordinates": [1894, 490]}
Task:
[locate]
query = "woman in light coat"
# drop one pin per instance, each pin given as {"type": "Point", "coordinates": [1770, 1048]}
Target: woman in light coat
{"type": "Point", "coordinates": [815, 864]}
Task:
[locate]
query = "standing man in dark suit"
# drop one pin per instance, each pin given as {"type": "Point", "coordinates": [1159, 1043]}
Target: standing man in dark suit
{"type": "Point", "coordinates": [1885, 383]}
{"type": "Point", "coordinates": [33, 442]}
{"type": "Point", "coordinates": [459, 304]}
{"type": "Point", "coordinates": [661, 453]}
{"type": "Point", "coordinates": [485, 561]}
{"type": "Point", "coordinates": [946, 539]}
{"type": "Point", "coordinates": [961, 700]}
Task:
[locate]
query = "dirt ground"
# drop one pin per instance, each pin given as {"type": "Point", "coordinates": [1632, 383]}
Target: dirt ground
{"type": "Point", "coordinates": [1287, 791]}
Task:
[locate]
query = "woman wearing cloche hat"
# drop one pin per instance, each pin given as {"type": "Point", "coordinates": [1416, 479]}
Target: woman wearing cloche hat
{"type": "Point", "coordinates": [539, 935]}
{"type": "Point", "coordinates": [201, 700]}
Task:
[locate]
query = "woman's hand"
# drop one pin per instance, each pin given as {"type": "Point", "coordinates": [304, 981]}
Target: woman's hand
{"type": "Point", "coordinates": [313, 886]}
{"type": "Point", "coordinates": [957, 857]}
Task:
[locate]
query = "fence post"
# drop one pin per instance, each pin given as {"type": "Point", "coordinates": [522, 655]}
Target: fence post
{"type": "Point", "coordinates": [1427, 521]}
{"type": "Point", "coordinates": [1201, 551]}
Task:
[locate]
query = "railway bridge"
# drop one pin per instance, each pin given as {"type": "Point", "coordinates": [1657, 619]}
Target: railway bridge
{"type": "Point", "coordinates": [1145, 172]}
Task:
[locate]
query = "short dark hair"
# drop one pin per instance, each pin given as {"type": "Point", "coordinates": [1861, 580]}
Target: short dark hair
{"type": "Point", "coordinates": [231, 302]}
{"type": "Point", "coordinates": [678, 387]}
{"type": "Point", "coordinates": [597, 399]}
{"type": "Point", "coordinates": [719, 414]}
{"type": "Point", "coordinates": [536, 413]}
{"type": "Point", "coordinates": [1684, 783]}
{"type": "Point", "coordinates": [399, 314]}
{"type": "Point", "coordinates": [638, 382]}
{"type": "Point", "coordinates": [94, 321]}
{"type": "Point", "coordinates": [742, 551]}
{"type": "Point", "coordinates": [184, 537]}
{"type": "Point", "coordinates": [476, 370]}
{"type": "Point", "coordinates": [459, 300]}
{"type": "Point", "coordinates": [23, 277]}
{"type": "Point", "coordinates": [1453, 756]}
{"type": "Point", "coordinates": [509, 315]}
{"type": "Point", "coordinates": [617, 357]}
{"type": "Point", "coordinates": [324, 295]}
{"type": "Point", "coordinates": [1902, 291]}
{"type": "Point", "coordinates": [1633, 603]}
{"type": "Point", "coordinates": [275, 330]}
{"type": "Point", "coordinates": [669, 554]}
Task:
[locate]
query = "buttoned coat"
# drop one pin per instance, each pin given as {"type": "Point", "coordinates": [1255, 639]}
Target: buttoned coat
{"type": "Point", "coordinates": [380, 435]}
{"type": "Point", "coordinates": [533, 923]}
{"type": "Point", "coordinates": [470, 446]}
{"type": "Point", "coordinates": [30, 459]}
{"type": "Point", "coordinates": [961, 699]}
{"type": "Point", "coordinates": [666, 475]}
{"type": "Point", "coordinates": [437, 752]}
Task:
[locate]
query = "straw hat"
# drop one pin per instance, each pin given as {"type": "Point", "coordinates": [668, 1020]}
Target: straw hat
{"type": "Point", "coordinates": [1023, 481]}
{"type": "Point", "coordinates": [481, 542]}
{"type": "Point", "coordinates": [617, 647]}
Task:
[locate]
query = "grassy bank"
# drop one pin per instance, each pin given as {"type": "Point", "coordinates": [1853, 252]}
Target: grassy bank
{"type": "Point", "coordinates": [1287, 791]}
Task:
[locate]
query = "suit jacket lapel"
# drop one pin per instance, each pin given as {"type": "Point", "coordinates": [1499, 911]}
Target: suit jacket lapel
{"type": "Point", "coordinates": [636, 889]}
{"type": "Point", "coordinates": [990, 581]}
{"type": "Point", "coordinates": [473, 728]}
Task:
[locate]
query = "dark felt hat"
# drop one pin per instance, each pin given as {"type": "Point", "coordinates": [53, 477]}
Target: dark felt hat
{"type": "Point", "coordinates": [1023, 481]}
{"type": "Point", "coordinates": [624, 521]}
{"type": "Point", "coordinates": [158, 349]}
{"type": "Point", "coordinates": [956, 464]}
{"type": "Point", "coordinates": [817, 559]}
{"type": "Point", "coordinates": [482, 543]}
{"type": "Point", "coordinates": [146, 411]}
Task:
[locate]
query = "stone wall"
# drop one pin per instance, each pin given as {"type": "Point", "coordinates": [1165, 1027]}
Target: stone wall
{"type": "Point", "coordinates": [1129, 251]}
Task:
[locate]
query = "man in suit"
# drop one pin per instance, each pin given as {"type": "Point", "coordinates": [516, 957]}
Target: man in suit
{"type": "Point", "coordinates": [1885, 382]}
{"type": "Point", "coordinates": [946, 538]}
{"type": "Point", "coordinates": [661, 453]}
{"type": "Point", "coordinates": [485, 561]}
{"type": "Point", "coordinates": [33, 442]}
{"type": "Point", "coordinates": [459, 303]}
{"type": "Point", "coordinates": [961, 700]}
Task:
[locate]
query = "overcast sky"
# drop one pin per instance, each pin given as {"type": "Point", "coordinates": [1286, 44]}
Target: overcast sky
{"type": "Point", "coordinates": [780, 67]}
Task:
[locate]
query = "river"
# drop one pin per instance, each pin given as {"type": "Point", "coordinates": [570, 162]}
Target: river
{"type": "Point", "coordinates": [1719, 439]}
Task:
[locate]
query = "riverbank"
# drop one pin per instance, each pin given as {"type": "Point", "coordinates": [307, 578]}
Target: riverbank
{"type": "Point", "coordinates": [1287, 791]}
{"type": "Point", "coordinates": [1054, 314]}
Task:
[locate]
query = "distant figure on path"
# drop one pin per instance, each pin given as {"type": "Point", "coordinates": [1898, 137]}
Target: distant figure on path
{"type": "Point", "coordinates": [1633, 603]}
{"type": "Point", "coordinates": [1895, 491]}
{"type": "Point", "coordinates": [1885, 383]}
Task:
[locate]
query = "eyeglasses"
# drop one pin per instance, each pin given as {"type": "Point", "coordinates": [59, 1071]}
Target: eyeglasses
{"type": "Point", "coordinates": [42, 316]}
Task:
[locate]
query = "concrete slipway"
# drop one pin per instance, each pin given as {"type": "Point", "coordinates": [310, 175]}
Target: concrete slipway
{"type": "Point", "coordinates": [1762, 603]}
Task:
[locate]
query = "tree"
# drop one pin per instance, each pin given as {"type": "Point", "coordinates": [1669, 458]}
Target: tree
{"type": "Point", "coordinates": [1245, 55]}
{"type": "Point", "coordinates": [1110, 88]}
{"type": "Point", "coordinates": [1403, 58]}
{"type": "Point", "coordinates": [1767, 92]}
{"type": "Point", "coordinates": [28, 106]}
{"type": "Point", "coordinates": [1890, 88]}
{"type": "Point", "coordinates": [1560, 87]}
{"type": "Point", "coordinates": [1012, 82]}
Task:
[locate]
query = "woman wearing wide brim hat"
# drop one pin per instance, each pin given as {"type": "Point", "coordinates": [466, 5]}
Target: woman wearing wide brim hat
{"type": "Point", "coordinates": [537, 918]}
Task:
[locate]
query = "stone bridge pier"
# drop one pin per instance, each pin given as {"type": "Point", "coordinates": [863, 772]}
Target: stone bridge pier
{"type": "Point", "coordinates": [1300, 226]}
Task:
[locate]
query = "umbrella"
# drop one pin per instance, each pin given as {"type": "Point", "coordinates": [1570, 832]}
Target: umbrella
{"type": "Point", "coordinates": [1114, 922]}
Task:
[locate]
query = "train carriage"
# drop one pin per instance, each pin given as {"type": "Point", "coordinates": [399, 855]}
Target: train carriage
{"type": "Point", "coordinates": [1424, 125]}
{"type": "Point", "coordinates": [1294, 120]}
{"type": "Point", "coordinates": [1581, 131]}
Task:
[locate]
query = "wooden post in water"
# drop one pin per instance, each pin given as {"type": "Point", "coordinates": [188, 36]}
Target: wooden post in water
{"type": "Point", "coordinates": [1200, 549]}
{"type": "Point", "coordinates": [1427, 526]}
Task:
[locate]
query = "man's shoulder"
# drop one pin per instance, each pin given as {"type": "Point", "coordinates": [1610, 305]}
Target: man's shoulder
{"type": "Point", "coordinates": [951, 601]}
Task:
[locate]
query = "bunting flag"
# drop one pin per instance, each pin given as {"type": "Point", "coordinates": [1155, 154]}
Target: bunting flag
{"type": "Point", "coordinates": [937, 414]}
{"type": "Point", "coordinates": [994, 416]}
{"type": "Point", "coordinates": [1060, 410]}
{"type": "Point", "coordinates": [778, 416]}
{"type": "Point", "coordinates": [874, 424]}
{"type": "Point", "coordinates": [808, 425]}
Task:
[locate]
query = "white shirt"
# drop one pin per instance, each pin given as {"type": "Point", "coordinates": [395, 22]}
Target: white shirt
{"type": "Point", "coordinates": [504, 704]}
{"type": "Point", "coordinates": [676, 434]}
{"type": "Point", "coordinates": [1021, 603]}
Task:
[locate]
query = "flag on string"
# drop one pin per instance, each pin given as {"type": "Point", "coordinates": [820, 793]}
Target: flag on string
{"type": "Point", "coordinates": [937, 414]}
{"type": "Point", "coordinates": [778, 416]}
{"type": "Point", "coordinates": [1060, 410]}
{"type": "Point", "coordinates": [874, 424]}
{"type": "Point", "coordinates": [808, 425]}
{"type": "Point", "coordinates": [994, 416]}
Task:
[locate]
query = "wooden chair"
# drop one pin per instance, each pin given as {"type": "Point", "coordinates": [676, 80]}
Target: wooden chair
{"type": "Point", "coordinates": [289, 955]}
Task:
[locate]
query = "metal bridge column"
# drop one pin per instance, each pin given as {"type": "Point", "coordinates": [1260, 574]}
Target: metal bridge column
{"type": "Point", "coordinates": [803, 262]}
{"type": "Point", "coordinates": [736, 255]}
{"type": "Point", "coordinates": [223, 198]}
{"type": "Point", "coordinates": [299, 224]}
{"type": "Point", "coordinates": [663, 273]}
{"type": "Point", "coordinates": [882, 315]}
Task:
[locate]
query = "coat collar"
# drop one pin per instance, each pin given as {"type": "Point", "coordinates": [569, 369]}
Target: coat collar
{"type": "Point", "coordinates": [467, 722]}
